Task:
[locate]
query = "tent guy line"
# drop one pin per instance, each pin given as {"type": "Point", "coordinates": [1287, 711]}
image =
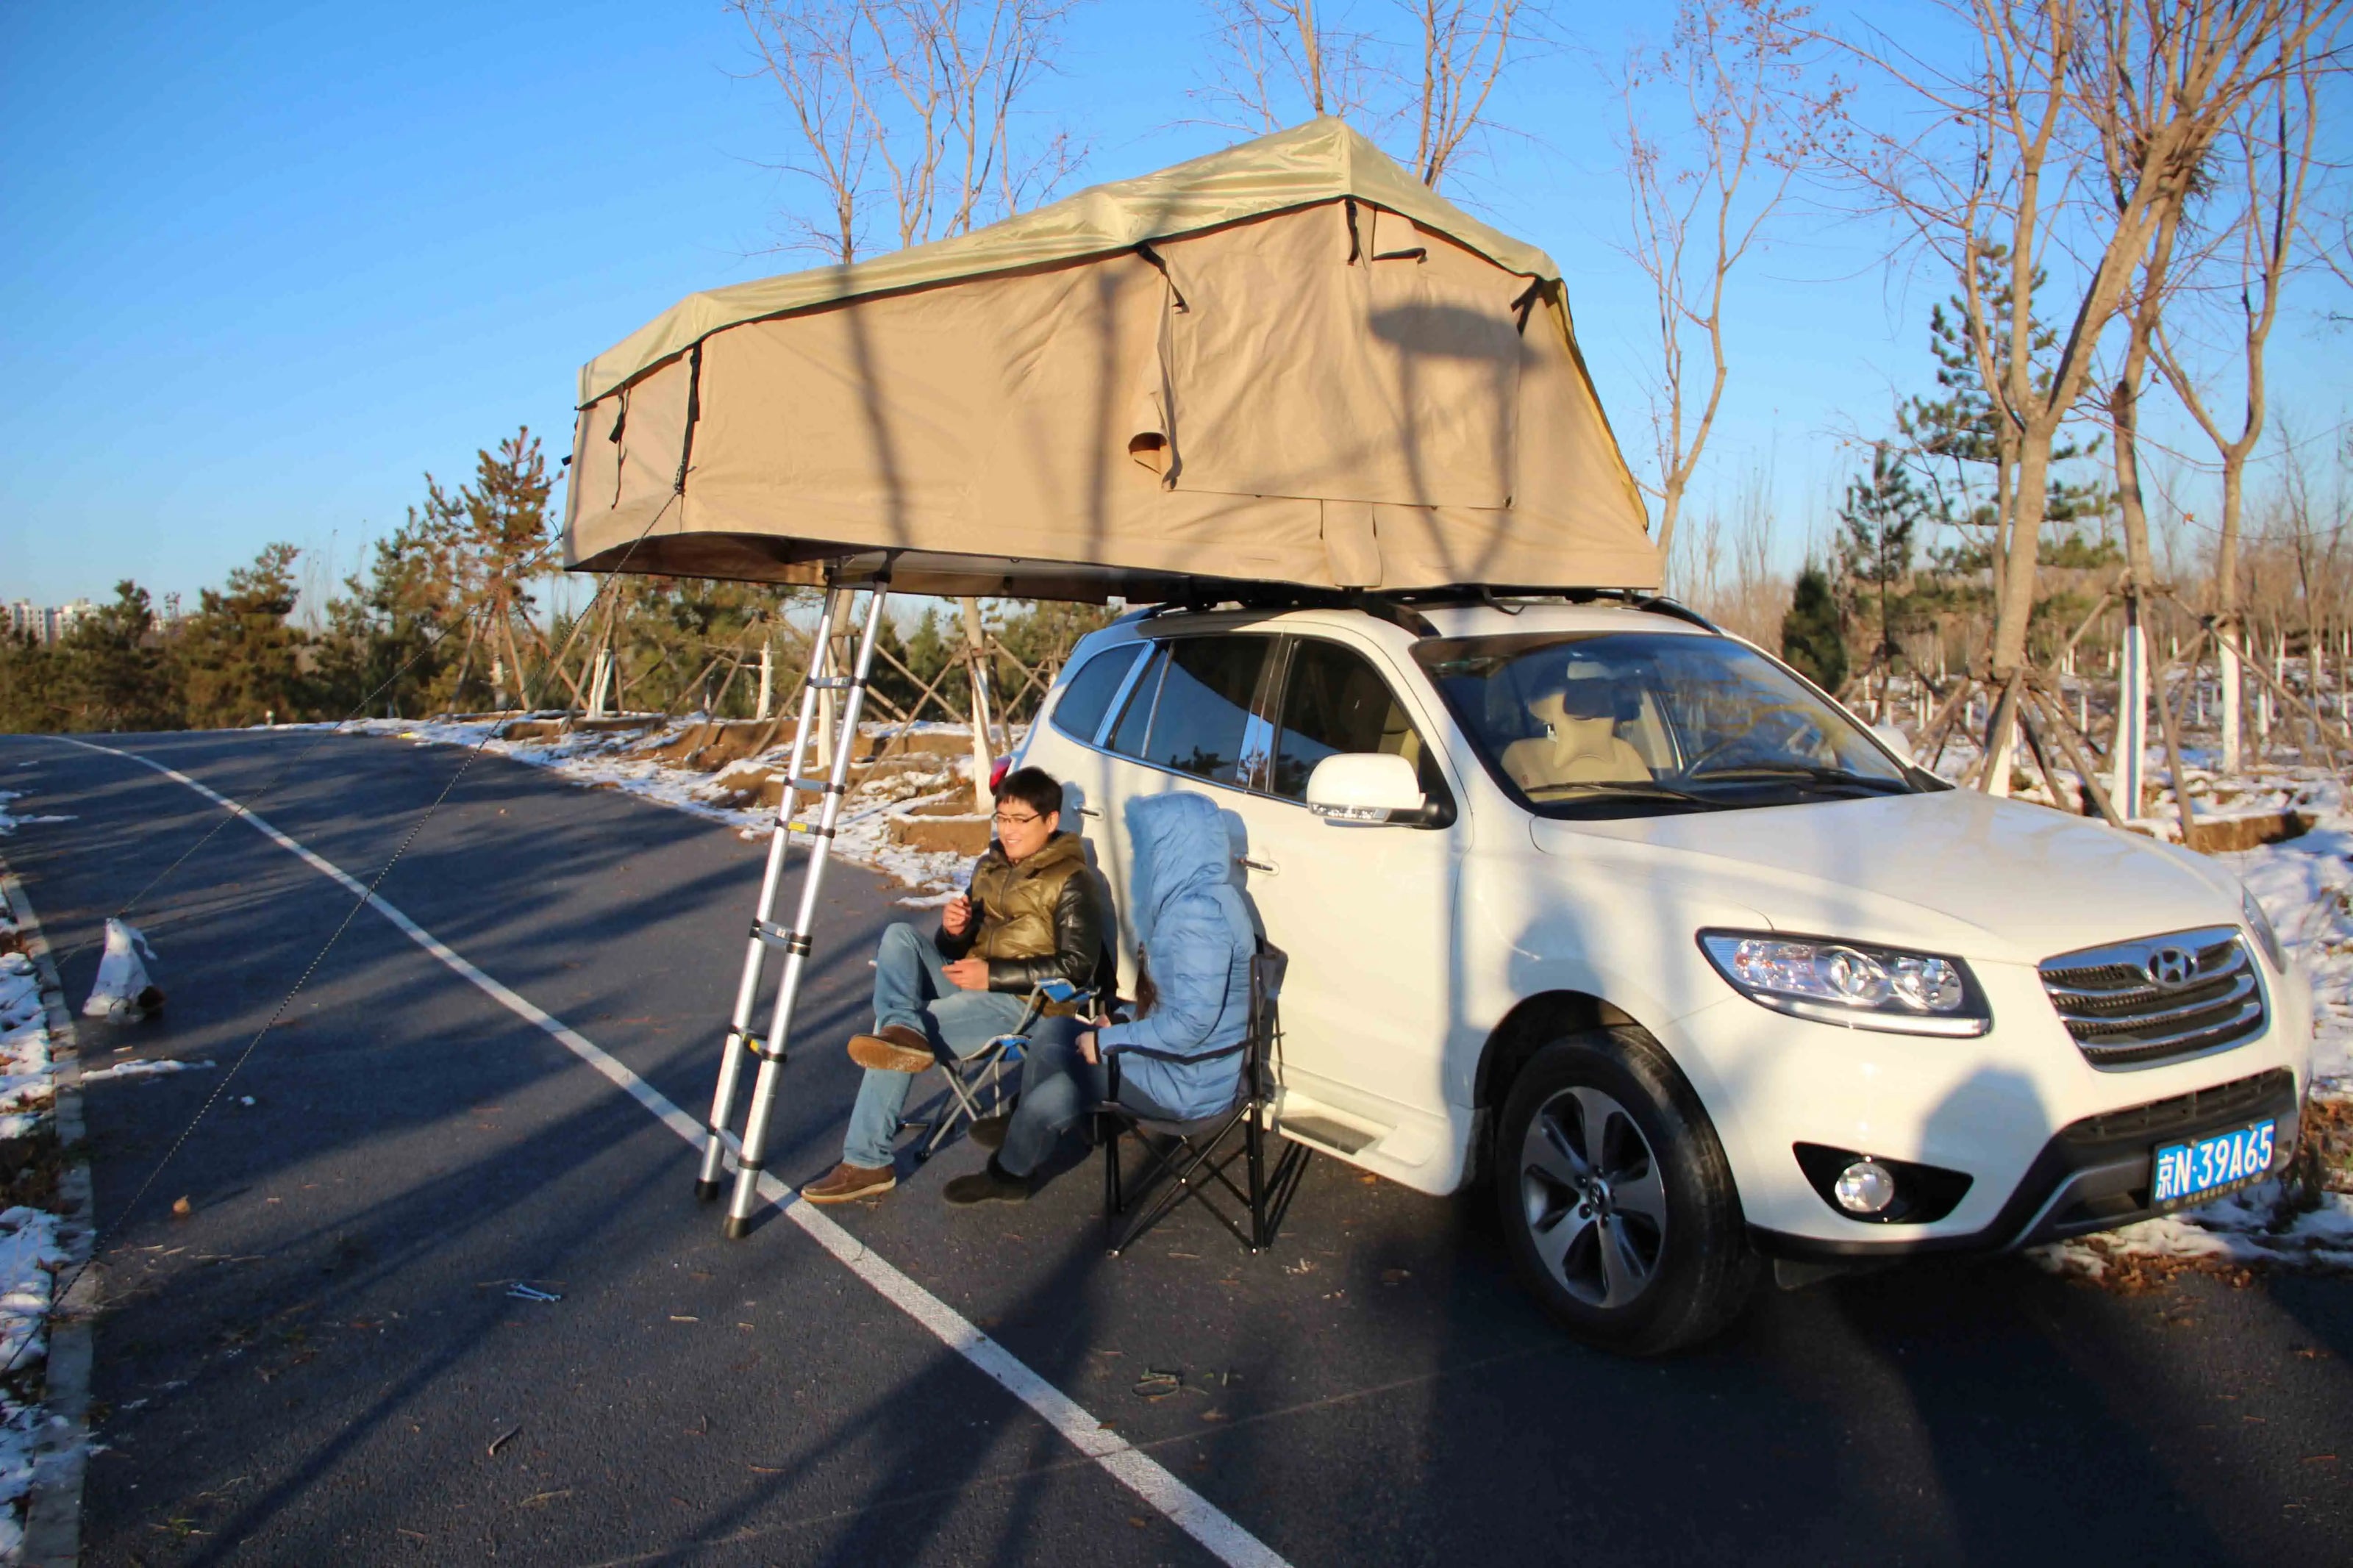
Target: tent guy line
{"type": "Point", "coordinates": [1140, 1474]}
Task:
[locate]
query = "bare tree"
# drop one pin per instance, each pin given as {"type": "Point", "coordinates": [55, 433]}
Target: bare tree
{"type": "Point", "coordinates": [1426, 82]}
{"type": "Point", "coordinates": [811, 51]}
{"type": "Point", "coordinates": [1272, 59]}
{"type": "Point", "coordinates": [2008, 163]}
{"type": "Point", "coordinates": [914, 108]}
{"type": "Point", "coordinates": [1747, 116]}
{"type": "Point", "coordinates": [2271, 149]}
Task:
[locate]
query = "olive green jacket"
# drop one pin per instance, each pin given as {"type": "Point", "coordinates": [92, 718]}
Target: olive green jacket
{"type": "Point", "coordinates": [1042, 918]}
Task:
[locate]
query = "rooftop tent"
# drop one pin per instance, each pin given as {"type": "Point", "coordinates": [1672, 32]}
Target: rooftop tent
{"type": "Point", "coordinates": [1288, 361]}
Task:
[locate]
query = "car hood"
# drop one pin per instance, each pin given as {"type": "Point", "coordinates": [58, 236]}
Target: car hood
{"type": "Point", "coordinates": [1952, 871]}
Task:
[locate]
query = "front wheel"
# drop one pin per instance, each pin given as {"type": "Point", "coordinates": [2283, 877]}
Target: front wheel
{"type": "Point", "coordinates": [1617, 1197]}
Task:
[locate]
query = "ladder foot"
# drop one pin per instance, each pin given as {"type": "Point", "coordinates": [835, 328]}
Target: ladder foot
{"type": "Point", "coordinates": [705, 1192]}
{"type": "Point", "coordinates": [737, 1229]}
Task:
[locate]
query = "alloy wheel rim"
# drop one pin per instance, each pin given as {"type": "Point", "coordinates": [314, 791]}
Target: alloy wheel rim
{"type": "Point", "coordinates": [1595, 1204]}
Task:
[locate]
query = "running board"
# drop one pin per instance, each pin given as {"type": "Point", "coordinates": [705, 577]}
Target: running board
{"type": "Point", "coordinates": [1324, 1133]}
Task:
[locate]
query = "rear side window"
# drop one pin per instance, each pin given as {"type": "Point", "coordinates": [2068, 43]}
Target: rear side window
{"type": "Point", "coordinates": [1200, 711]}
{"type": "Point", "coordinates": [1085, 701]}
{"type": "Point", "coordinates": [1333, 701]}
{"type": "Point", "coordinates": [1128, 739]}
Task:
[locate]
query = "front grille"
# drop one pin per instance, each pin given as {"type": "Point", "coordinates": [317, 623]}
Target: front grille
{"type": "Point", "coordinates": [2123, 1014]}
{"type": "Point", "coordinates": [2233, 1102]}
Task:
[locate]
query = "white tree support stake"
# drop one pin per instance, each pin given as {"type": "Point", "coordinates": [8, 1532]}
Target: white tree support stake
{"type": "Point", "coordinates": [750, 1149]}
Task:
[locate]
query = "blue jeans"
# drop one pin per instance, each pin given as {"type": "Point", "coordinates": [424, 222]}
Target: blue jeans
{"type": "Point", "coordinates": [911, 987]}
{"type": "Point", "coordinates": [1058, 1088]}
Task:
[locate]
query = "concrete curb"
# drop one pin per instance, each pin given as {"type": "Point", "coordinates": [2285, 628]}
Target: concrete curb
{"type": "Point", "coordinates": [53, 1507]}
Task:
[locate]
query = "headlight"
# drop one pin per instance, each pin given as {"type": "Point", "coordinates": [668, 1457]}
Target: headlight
{"type": "Point", "coordinates": [2261, 924]}
{"type": "Point", "coordinates": [1848, 983]}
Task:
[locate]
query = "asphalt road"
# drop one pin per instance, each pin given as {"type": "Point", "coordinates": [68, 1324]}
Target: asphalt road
{"type": "Point", "coordinates": [315, 1364]}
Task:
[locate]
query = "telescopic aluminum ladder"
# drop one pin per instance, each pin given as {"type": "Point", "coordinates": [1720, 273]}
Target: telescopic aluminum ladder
{"type": "Point", "coordinates": [749, 1150]}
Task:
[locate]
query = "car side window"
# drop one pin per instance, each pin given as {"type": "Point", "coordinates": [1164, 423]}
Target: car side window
{"type": "Point", "coordinates": [1127, 739]}
{"type": "Point", "coordinates": [1202, 708]}
{"type": "Point", "coordinates": [1080, 713]}
{"type": "Point", "coordinates": [1333, 701]}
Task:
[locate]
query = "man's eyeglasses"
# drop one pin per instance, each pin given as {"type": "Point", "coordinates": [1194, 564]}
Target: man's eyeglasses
{"type": "Point", "coordinates": [1005, 819]}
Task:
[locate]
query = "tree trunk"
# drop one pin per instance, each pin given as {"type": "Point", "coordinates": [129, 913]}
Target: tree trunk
{"type": "Point", "coordinates": [2128, 752]}
{"type": "Point", "coordinates": [976, 652]}
{"type": "Point", "coordinates": [2226, 612]}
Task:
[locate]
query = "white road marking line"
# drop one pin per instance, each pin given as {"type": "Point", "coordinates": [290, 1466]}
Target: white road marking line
{"type": "Point", "coordinates": [1139, 1472]}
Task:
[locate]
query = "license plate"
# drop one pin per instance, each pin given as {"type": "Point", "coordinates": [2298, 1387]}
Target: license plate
{"type": "Point", "coordinates": [2208, 1167]}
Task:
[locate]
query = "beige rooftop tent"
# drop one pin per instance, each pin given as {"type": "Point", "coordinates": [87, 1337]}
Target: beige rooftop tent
{"type": "Point", "coordinates": [1285, 362]}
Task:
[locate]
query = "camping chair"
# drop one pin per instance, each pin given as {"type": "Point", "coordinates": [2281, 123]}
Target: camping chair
{"type": "Point", "coordinates": [983, 1071]}
{"type": "Point", "coordinates": [1191, 1160]}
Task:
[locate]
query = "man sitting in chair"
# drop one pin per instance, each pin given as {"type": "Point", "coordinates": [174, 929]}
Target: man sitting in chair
{"type": "Point", "coordinates": [1031, 912]}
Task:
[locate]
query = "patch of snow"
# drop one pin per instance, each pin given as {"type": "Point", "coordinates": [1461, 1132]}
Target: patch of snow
{"type": "Point", "coordinates": [10, 822]}
{"type": "Point", "coordinates": [143, 1069]}
{"type": "Point", "coordinates": [29, 1258]}
{"type": "Point", "coordinates": [2255, 1227]}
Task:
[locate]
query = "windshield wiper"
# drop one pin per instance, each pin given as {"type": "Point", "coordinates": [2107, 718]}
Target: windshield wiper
{"type": "Point", "coordinates": [1631, 789]}
{"type": "Point", "coordinates": [1812, 772]}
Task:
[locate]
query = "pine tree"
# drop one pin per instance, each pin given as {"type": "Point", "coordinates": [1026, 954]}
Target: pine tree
{"type": "Point", "coordinates": [33, 691]}
{"type": "Point", "coordinates": [1877, 523]}
{"type": "Point", "coordinates": [118, 673]}
{"type": "Point", "coordinates": [1812, 639]}
{"type": "Point", "coordinates": [1961, 431]}
{"type": "Point", "coordinates": [244, 662]}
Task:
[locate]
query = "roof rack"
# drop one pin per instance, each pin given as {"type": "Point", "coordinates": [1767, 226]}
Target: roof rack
{"type": "Point", "coordinates": [1403, 608]}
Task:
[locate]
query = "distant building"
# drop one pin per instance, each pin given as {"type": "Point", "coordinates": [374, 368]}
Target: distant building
{"type": "Point", "coordinates": [46, 624]}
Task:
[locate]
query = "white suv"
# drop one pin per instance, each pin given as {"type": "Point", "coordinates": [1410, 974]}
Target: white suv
{"type": "Point", "coordinates": [1618, 908]}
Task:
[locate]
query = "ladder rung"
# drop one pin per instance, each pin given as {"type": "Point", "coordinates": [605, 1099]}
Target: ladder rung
{"type": "Point", "coordinates": [834, 682]}
{"type": "Point", "coordinates": [818, 786]}
{"type": "Point", "coordinates": [775, 935]}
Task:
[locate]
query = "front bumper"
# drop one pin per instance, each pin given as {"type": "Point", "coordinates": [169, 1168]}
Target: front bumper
{"type": "Point", "coordinates": [2094, 1174]}
{"type": "Point", "coordinates": [2047, 1139]}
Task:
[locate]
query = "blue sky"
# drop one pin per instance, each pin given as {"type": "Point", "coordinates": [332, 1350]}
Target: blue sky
{"type": "Point", "coordinates": [267, 265]}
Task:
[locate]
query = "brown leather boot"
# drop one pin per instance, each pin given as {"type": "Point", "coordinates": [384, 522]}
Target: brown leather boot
{"type": "Point", "coordinates": [894, 1047]}
{"type": "Point", "coordinates": [846, 1182]}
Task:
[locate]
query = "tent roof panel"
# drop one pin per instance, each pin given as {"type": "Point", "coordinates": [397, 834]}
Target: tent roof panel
{"type": "Point", "coordinates": [1322, 161]}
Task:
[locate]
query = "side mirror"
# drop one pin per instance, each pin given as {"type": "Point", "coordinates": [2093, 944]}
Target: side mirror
{"type": "Point", "coordinates": [1367, 789]}
{"type": "Point", "coordinates": [1897, 741]}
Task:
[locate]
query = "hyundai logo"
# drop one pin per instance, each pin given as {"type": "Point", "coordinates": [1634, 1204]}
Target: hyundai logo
{"type": "Point", "coordinates": [2171, 967]}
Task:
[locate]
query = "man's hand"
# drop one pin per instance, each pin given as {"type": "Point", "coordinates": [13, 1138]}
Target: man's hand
{"type": "Point", "coordinates": [1087, 1052]}
{"type": "Point", "coordinates": [956, 917]}
{"type": "Point", "coordinates": [968, 974]}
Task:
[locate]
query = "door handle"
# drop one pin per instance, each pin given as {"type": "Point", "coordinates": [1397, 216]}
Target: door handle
{"type": "Point", "coordinates": [1266, 867]}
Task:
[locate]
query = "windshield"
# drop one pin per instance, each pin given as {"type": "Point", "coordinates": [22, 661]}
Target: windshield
{"type": "Point", "coordinates": [1622, 723]}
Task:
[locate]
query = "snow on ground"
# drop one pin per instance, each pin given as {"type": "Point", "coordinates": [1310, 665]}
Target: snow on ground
{"type": "Point", "coordinates": [10, 822]}
{"type": "Point", "coordinates": [29, 1253]}
{"type": "Point", "coordinates": [622, 760]}
{"type": "Point", "coordinates": [29, 1258]}
{"type": "Point", "coordinates": [142, 1069]}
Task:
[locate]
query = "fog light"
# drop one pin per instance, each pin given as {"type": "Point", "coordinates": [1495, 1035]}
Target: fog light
{"type": "Point", "coordinates": [1865, 1188]}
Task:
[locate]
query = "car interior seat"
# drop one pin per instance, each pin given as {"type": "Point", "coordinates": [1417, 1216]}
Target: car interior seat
{"type": "Point", "coordinates": [1579, 745]}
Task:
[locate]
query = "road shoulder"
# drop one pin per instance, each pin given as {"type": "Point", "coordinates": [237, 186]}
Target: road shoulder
{"type": "Point", "coordinates": [53, 1506]}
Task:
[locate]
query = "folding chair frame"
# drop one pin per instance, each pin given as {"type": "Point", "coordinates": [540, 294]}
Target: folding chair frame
{"type": "Point", "coordinates": [984, 1070]}
{"type": "Point", "coordinates": [1190, 1161]}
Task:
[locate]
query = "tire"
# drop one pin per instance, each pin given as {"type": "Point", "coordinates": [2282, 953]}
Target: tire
{"type": "Point", "coordinates": [1642, 1249]}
